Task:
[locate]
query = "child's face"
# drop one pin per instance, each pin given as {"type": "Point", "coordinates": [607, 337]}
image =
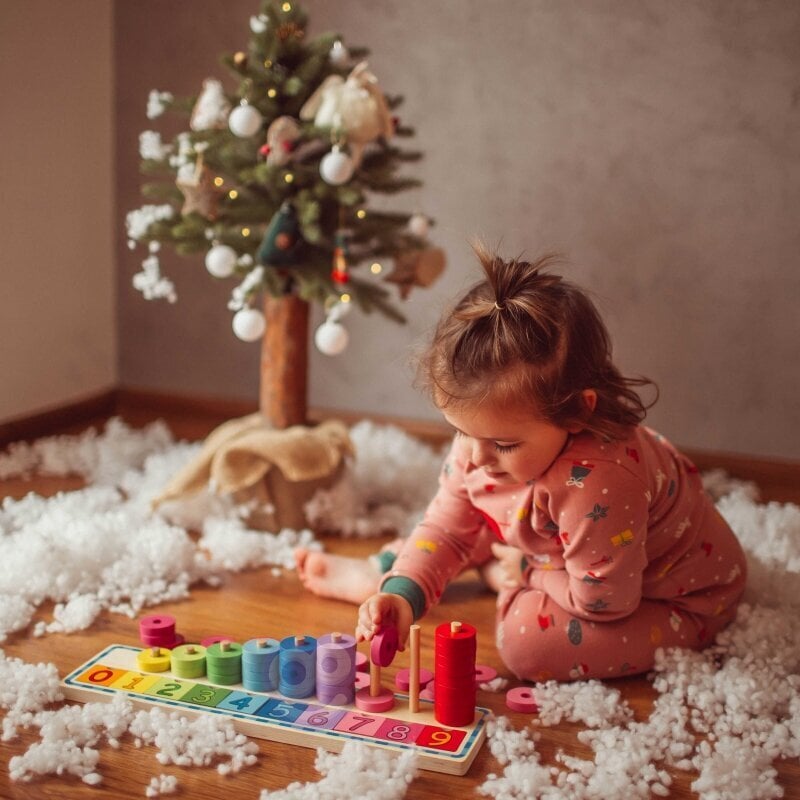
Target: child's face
{"type": "Point", "coordinates": [512, 445]}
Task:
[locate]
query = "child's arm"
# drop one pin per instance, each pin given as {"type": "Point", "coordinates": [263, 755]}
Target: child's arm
{"type": "Point", "coordinates": [603, 528]}
{"type": "Point", "coordinates": [441, 545]}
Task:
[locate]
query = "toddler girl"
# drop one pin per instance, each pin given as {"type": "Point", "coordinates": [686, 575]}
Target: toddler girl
{"type": "Point", "coordinates": [606, 546]}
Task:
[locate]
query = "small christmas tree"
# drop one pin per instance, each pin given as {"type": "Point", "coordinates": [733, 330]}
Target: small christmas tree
{"type": "Point", "coordinates": [272, 184]}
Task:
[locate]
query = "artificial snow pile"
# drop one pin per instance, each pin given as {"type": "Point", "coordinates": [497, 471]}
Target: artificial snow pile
{"type": "Point", "coordinates": [358, 771]}
{"type": "Point", "coordinates": [86, 558]}
{"type": "Point", "coordinates": [386, 488]}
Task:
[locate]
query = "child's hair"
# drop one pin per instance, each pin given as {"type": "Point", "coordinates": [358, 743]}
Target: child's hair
{"type": "Point", "coordinates": [525, 334]}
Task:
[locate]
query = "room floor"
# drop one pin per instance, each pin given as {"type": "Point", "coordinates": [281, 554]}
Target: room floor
{"type": "Point", "coordinates": [246, 603]}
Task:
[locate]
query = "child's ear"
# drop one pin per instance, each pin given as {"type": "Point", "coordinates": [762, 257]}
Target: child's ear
{"type": "Point", "coordinates": [589, 401]}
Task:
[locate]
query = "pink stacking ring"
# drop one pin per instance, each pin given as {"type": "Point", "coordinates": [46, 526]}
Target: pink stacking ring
{"type": "Point", "coordinates": [484, 674]}
{"type": "Point", "coordinates": [403, 678]}
{"type": "Point", "coordinates": [384, 646]}
{"type": "Point", "coordinates": [521, 699]}
{"type": "Point", "coordinates": [156, 625]}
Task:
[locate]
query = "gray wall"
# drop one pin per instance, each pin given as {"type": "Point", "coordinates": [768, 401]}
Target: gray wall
{"type": "Point", "coordinates": [655, 144]}
{"type": "Point", "coordinates": [57, 312]}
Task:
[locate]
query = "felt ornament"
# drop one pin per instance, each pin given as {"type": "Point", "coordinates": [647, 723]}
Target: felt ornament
{"type": "Point", "coordinates": [354, 107]}
{"type": "Point", "coordinates": [282, 239]}
{"type": "Point", "coordinates": [340, 251]}
{"type": "Point", "coordinates": [282, 134]}
{"type": "Point", "coordinates": [200, 194]}
{"type": "Point", "coordinates": [212, 109]}
{"type": "Point", "coordinates": [416, 268]}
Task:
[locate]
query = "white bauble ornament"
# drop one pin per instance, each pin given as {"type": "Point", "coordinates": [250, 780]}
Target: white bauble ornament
{"type": "Point", "coordinates": [258, 24]}
{"type": "Point", "coordinates": [339, 54]}
{"type": "Point", "coordinates": [221, 261]}
{"type": "Point", "coordinates": [249, 324]}
{"type": "Point", "coordinates": [245, 121]}
{"type": "Point", "coordinates": [331, 338]}
{"type": "Point", "coordinates": [419, 225]}
{"type": "Point", "coordinates": [336, 167]}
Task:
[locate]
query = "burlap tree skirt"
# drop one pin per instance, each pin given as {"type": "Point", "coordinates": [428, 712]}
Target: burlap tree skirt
{"type": "Point", "coordinates": [274, 471]}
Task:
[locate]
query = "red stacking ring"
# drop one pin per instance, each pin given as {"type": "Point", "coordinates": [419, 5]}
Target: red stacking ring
{"type": "Point", "coordinates": [454, 674]}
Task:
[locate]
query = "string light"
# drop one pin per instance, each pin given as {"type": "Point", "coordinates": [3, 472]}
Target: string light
{"type": "Point", "coordinates": [345, 298]}
{"type": "Point", "coordinates": [245, 232]}
{"type": "Point", "coordinates": [268, 63]}
{"type": "Point", "coordinates": [376, 268]}
{"type": "Point", "coordinates": [272, 92]}
{"type": "Point", "coordinates": [288, 177]}
{"type": "Point", "coordinates": [233, 194]}
{"type": "Point", "coordinates": [287, 7]}
{"type": "Point", "coordinates": [218, 181]}
{"type": "Point", "coordinates": [361, 213]}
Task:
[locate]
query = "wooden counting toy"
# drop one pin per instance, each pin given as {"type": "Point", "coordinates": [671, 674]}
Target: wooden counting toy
{"type": "Point", "coordinates": [297, 690]}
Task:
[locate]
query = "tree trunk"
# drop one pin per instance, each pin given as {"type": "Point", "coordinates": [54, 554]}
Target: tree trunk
{"type": "Point", "coordinates": [284, 361]}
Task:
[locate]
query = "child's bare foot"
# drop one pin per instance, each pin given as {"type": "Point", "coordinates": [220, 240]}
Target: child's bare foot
{"type": "Point", "coordinates": [350, 579]}
{"type": "Point", "coordinates": [504, 571]}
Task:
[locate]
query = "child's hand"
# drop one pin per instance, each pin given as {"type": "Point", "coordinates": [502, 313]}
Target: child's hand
{"type": "Point", "coordinates": [384, 609]}
{"type": "Point", "coordinates": [510, 561]}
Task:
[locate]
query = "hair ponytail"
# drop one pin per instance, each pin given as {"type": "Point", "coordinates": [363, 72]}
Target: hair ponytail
{"type": "Point", "coordinates": [526, 335]}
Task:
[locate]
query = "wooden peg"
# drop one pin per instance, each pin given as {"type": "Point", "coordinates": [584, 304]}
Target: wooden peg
{"type": "Point", "coordinates": [413, 679]}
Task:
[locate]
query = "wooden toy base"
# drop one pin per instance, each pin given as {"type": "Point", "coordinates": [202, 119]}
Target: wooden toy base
{"type": "Point", "coordinates": [269, 715]}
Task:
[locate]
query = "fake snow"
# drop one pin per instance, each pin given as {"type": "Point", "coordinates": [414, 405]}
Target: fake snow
{"type": "Point", "coordinates": [358, 771]}
{"type": "Point", "coordinates": [87, 561]}
{"type": "Point", "coordinates": [163, 784]}
{"type": "Point", "coordinates": [725, 714]}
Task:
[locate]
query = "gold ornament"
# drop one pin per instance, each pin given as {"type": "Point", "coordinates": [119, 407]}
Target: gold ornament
{"type": "Point", "coordinates": [201, 195]}
{"type": "Point", "coordinates": [416, 268]}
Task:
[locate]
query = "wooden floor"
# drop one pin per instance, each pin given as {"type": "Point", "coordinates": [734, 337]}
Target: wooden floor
{"type": "Point", "coordinates": [247, 603]}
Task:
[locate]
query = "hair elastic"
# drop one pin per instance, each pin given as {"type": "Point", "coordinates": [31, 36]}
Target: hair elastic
{"type": "Point", "coordinates": [498, 307]}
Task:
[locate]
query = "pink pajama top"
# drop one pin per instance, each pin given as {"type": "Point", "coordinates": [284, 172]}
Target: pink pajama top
{"type": "Point", "coordinates": [609, 523]}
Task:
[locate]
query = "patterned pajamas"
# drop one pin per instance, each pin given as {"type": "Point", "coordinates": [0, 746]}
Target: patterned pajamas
{"type": "Point", "coordinates": [625, 553]}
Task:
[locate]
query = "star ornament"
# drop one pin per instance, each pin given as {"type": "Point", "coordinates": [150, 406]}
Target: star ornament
{"type": "Point", "coordinates": [200, 194]}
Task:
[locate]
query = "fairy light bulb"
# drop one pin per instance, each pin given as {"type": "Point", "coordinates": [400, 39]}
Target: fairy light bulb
{"type": "Point", "coordinates": [233, 194]}
{"type": "Point", "coordinates": [361, 213]}
{"type": "Point", "coordinates": [245, 232]}
{"type": "Point", "coordinates": [288, 177]}
{"type": "Point", "coordinates": [376, 268]}
{"type": "Point", "coordinates": [287, 7]}
{"type": "Point", "coordinates": [345, 298]}
{"type": "Point", "coordinates": [218, 181]}
{"type": "Point", "coordinates": [272, 92]}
